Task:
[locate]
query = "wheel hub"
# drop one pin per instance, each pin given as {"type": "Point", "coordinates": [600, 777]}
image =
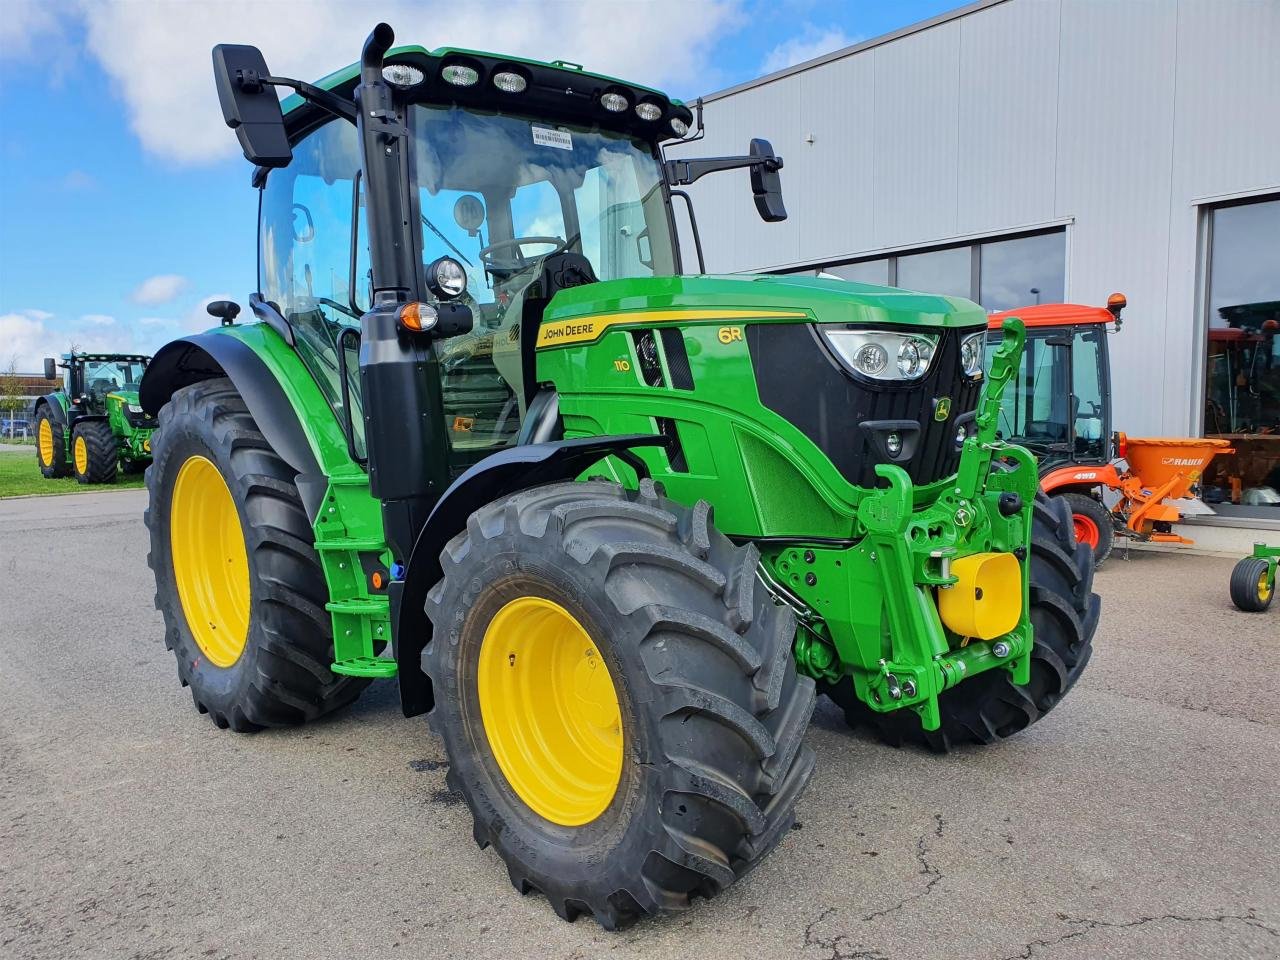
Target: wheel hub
{"type": "Point", "coordinates": [550, 711]}
{"type": "Point", "coordinates": [210, 565]}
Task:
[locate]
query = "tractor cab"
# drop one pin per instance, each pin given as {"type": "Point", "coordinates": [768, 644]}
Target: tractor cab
{"type": "Point", "coordinates": [1059, 406]}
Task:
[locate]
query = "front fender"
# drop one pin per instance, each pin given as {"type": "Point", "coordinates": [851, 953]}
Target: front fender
{"type": "Point", "coordinates": [208, 355]}
{"type": "Point", "coordinates": [503, 473]}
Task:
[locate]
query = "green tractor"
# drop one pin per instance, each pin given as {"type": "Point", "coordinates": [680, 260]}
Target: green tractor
{"type": "Point", "coordinates": [611, 525]}
{"type": "Point", "coordinates": [93, 425]}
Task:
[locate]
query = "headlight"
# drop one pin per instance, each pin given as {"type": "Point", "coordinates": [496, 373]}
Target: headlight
{"type": "Point", "coordinates": [882, 355]}
{"type": "Point", "coordinates": [971, 349]}
{"type": "Point", "coordinates": [135, 407]}
{"type": "Point", "coordinates": [446, 278]}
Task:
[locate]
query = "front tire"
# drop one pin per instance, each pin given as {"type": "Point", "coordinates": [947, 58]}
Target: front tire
{"type": "Point", "coordinates": [1093, 525]}
{"type": "Point", "coordinates": [51, 445]}
{"type": "Point", "coordinates": [989, 707]}
{"type": "Point", "coordinates": [237, 577]}
{"type": "Point", "coordinates": [1251, 587]}
{"type": "Point", "coordinates": [94, 456]}
{"type": "Point", "coordinates": [692, 771]}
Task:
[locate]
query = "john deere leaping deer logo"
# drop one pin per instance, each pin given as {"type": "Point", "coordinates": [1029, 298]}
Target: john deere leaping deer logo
{"type": "Point", "coordinates": [941, 408]}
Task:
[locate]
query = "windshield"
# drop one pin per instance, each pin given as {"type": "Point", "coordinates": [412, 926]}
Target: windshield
{"type": "Point", "coordinates": [499, 194]}
{"type": "Point", "coordinates": [1056, 407]}
{"type": "Point", "coordinates": [103, 376]}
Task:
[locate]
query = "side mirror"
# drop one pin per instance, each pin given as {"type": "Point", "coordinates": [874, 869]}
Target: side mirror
{"type": "Point", "coordinates": [766, 185]}
{"type": "Point", "coordinates": [250, 105]}
{"type": "Point", "coordinates": [50, 368]}
{"type": "Point", "coordinates": [224, 310]}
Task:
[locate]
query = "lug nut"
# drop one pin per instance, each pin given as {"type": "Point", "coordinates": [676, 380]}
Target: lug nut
{"type": "Point", "coordinates": [810, 579]}
{"type": "Point", "coordinates": [909, 687]}
{"type": "Point", "coordinates": [809, 556]}
{"type": "Point", "coordinates": [895, 691]}
{"type": "Point", "coordinates": [1000, 649]}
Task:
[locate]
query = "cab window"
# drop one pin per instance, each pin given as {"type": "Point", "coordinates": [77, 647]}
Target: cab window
{"type": "Point", "coordinates": [306, 262]}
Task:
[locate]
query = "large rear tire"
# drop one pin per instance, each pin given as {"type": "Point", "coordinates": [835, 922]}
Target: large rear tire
{"type": "Point", "coordinates": [683, 777]}
{"type": "Point", "coordinates": [237, 577]}
{"type": "Point", "coordinates": [94, 455]}
{"type": "Point", "coordinates": [51, 445]}
{"type": "Point", "coordinates": [989, 707]}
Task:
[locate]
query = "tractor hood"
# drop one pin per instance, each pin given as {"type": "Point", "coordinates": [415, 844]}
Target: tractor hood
{"type": "Point", "coordinates": [817, 298]}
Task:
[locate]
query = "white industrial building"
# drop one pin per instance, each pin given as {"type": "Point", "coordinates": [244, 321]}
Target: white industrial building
{"type": "Point", "coordinates": [1015, 150]}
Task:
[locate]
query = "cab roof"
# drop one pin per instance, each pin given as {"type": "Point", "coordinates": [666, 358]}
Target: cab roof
{"type": "Point", "coordinates": [1053, 315]}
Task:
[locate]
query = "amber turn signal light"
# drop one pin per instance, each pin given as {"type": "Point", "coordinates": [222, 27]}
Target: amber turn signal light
{"type": "Point", "coordinates": [417, 317]}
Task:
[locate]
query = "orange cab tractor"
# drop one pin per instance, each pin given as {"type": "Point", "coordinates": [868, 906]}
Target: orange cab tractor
{"type": "Point", "coordinates": [1060, 409]}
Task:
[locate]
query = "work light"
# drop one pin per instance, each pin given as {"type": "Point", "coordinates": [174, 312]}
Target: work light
{"type": "Point", "coordinates": [446, 278]}
{"type": "Point", "coordinates": [402, 75]}
{"type": "Point", "coordinates": [883, 354]}
{"type": "Point", "coordinates": [614, 102]}
{"type": "Point", "coordinates": [971, 348]}
{"type": "Point", "coordinates": [679, 127]}
{"type": "Point", "coordinates": [647, 110]}
{"type": "Point", "coordinates": [508, 81]}
{"type": "Point", "coordinates": [460, 75]}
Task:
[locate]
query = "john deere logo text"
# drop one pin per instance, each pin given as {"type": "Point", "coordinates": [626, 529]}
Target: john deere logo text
{"type": "Point", "coordinates": [941, 408]}
{"type": "Point", "coordinates": [729, 334]}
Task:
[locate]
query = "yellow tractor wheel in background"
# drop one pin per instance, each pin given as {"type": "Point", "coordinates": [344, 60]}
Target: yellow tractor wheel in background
{"type": "Point", "coordinates": [95, 455]}
{"type": "Point", "coordinates": [51, 444]}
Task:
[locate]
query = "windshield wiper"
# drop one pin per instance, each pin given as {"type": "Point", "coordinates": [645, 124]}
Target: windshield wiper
{"type": "Point", "coordinates": [432, 227]}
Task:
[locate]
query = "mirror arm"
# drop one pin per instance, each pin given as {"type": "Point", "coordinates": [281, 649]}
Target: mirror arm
{"type": "Point", "coordinates": [313, 94]}
{"type": "Point", "coordinates": [684, 172]}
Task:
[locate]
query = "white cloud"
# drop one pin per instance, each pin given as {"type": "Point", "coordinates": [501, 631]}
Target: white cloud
{"type": "Point", "coordinates": [169, 93]}
{"type": "Point", "coordinates": [97, 319]}
{"type": "Point", "coordinates": [37, 314]}
{"type": "Point", "coordinates": [26, 338]}
{"type": "Point", "coordinates": [811, 42]}
{"type": "Point", "coordinates": [159, 289]}
{"type": "Point", "coordinates": [155, 323]}
{"type": "Point", "coordinates": [29, 25]}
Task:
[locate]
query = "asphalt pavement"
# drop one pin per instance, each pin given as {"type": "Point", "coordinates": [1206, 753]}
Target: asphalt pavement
{"type": "Point", "coordinates": [1140, 819]}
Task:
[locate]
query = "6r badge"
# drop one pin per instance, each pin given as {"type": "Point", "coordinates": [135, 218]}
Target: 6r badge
{"type": "Point", "coordinates": [941, 408]}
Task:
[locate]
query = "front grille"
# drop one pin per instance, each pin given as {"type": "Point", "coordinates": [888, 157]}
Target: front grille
{"type": "Point", "coordinates": [799, 379]}
{"type": "Point", "coordinates": [140, 421]}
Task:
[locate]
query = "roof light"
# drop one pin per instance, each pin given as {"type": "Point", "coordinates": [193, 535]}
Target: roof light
{"type": "Point", "coordinates": [679, 127]}
{"type": "Point", "coordinates": [614, 102]}
{"type": "Point", "coordinates": [647, 110]}
{"type": "Point", "coordinates": [402, 75]}
{"type": "Point", "coordinates": [417, 317]}
{"type": "Point", "coordinates": [446, 278]}
{"type": "Point", "coordinates": [460, 75]}
{"type": "Point", "coordinates": [508, 81]}
{"type": "Point", "coordinates": [1117, 302]}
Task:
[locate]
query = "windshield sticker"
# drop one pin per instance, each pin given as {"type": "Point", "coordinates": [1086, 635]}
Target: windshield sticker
{"type": "Point", "coordinates": [547, 137]}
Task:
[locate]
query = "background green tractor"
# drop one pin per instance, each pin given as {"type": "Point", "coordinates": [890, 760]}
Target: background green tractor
{"type": "Point", "coordinates": [612, 525]}
{"type": "Point", "coordinates": [93, 424]}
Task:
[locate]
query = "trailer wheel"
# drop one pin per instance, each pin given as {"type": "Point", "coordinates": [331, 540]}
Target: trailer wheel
{"type": "Point", "coordinates": [51, 445]}
{"type": "Point", "coordinates": [989, 707]}
{"type": "Point", "coordinates": [237, 577]}
{"type": "Point", "coordinates": [1093, 524]}
{"type": "Point", "coordinates": [1251, 586]}
{"type": "Point", "coordinates": [94, 456]}
{"type": "Point", "coordinates": [617, 697]}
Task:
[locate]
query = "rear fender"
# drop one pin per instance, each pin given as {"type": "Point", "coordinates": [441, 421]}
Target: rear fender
{"type": "Point", "coordinates": [1083, 478]}
{"type": "Point", "coordinates": [503, 473]}
{"type": "Point", "coordinates": [209, 355]}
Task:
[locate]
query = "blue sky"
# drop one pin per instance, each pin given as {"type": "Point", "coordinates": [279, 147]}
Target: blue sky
{"type": "Point", "coordinates": [124, 203]}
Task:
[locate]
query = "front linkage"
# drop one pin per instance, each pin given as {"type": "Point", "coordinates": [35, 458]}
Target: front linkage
{"type": "Point", "coordinates": [866, 609]}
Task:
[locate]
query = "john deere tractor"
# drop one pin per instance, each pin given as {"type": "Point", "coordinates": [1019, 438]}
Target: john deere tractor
{"type": "Point", "coordinates": [611, 525]}
{"type": "Point", "coordinates": [93, 425]}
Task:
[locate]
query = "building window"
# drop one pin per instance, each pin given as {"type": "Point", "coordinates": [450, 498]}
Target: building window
{"type": "Point", "coordinates": [1242, 358]}
{"type": "Point", "coordinates": [1001, 274]}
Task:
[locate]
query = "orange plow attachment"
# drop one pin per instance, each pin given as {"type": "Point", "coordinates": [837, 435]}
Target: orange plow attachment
{"type": "Point", "coordinates": [1162, 469]}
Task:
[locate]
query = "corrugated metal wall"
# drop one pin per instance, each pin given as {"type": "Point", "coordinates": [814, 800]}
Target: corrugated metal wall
{"type": "Point", "coordinates": [1118, 117]}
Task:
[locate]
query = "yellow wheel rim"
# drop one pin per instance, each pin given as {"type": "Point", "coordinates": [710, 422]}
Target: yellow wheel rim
{"type": "Point", "coordinates": [210, 565]}
{"type": "Point", "coordinates": [81, 451]}
{"type": "Point", "coordinates": [45, 441]}
{"type": "Point", "coordinates": [550, 711]}
{"type": "Point", "coordinates": [1264, 585]}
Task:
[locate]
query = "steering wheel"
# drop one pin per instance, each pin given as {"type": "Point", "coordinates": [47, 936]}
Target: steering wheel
{"type": "Point", "coordinates": [518, 259]}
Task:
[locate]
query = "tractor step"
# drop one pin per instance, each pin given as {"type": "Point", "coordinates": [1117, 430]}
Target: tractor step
{"type": "Point", "coordinates": [365, 667]}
